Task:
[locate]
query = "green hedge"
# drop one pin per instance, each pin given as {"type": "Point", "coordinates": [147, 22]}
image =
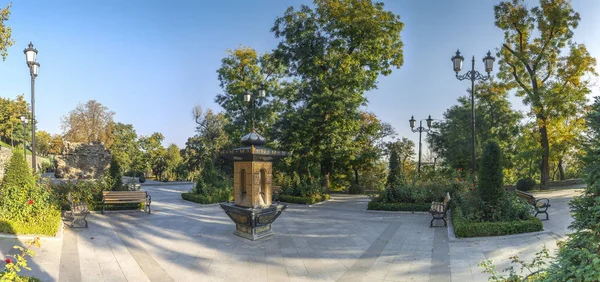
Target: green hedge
{"type": "Point", "coordinates": [421, 207]}
{"type": "Point", "coordinates": [464, 228]}
{"type": "Point", "coordinates": [46, 225]}
{"type": "Point", "coordinates": [303, 200]}
{"type": "Point", "coordinates": [203, 199]}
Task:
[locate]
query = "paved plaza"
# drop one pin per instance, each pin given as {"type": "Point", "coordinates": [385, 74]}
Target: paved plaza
{"type": "Point", "coordinates": [334, 241]}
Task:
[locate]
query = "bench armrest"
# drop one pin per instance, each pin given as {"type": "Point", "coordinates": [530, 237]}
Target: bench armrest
{"type": "Point", "coordinates": [545, 200]}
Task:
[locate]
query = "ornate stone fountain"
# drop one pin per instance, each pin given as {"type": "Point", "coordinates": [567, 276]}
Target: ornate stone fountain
{"type": "Point", "coordinates": [253, 210]}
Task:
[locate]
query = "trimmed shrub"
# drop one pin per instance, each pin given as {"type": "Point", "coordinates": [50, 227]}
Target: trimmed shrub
{"type": "Point", "coordinates": [465, 228]}
{"type": "Point", "coordinates": [394, 178]}
{"type": "Point", "coordinates": [116, 176]}
{"type": "Point", "coordinates": [142, 178]}
{"type": "Point", "coordinates": [525, 184]}
{"type": "Point", "coordinates": [491, 182]}
{"type": "Point", "coordinates": [304, 200]}
{"type": "Point", "coordinates": [421, 207]}
{"type": "Point", "coordinates": [207, 199]}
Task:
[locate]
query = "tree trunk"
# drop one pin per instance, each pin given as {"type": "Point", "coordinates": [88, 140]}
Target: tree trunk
{"type": "Point", "coordinates": [545, 166]}
{"type": "Point", "coordinates": [356, 176]}
{"type": "Point", "coordinates": [326, 168]}
{"type": "Point", "coordinates": [561, 169]}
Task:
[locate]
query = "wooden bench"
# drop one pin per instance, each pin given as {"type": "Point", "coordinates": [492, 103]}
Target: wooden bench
{"type": "Point", "coordinates": [540, 205]}
{"type": "Point", "coordinates": [126, 197]}
{"type": "Point", "coordinates": [79, 211]}
{"type": "Point", "coordinates": [439, 209]}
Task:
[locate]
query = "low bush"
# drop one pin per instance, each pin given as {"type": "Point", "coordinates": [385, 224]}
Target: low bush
{"type": "Point", "coordinates": [399, 206]}
{"type": "Point", "coordinates": [46, 224]}
{"type": "Point", "coordinates": [25, 206]}
{"type": "Point", "coordinates": [525, 184]}
{"type": "Point", "coordinates": [142, 178]}
{"type": "Point", "coordinates": [466, 228]}
{"type": "Point", "coordinates": [356, 189]}
{"type": "Point", "coordinates": [304, 200]}
{"type": "Point", "coordinates": [207, 199]}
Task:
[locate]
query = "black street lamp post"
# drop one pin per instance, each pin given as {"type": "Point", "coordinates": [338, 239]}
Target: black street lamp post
{"type": "Point", "coordinates": [30, 56]}
{"type": "Point", "coordinates": [249, 97]}
{"type": "Point", "coordinates": [420, 129]}
{"type": "Point", "coordinates": [25, 121]}
{"type": "Point", "coordinates": [472, 75]}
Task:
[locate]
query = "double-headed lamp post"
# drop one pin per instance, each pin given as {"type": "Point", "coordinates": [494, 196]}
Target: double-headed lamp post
{"type": "Point", "coordinates": [250, 98]}
{"type": "Point", "coordinates": [25, 121]}
{"type": "Point", "coordinates": [30, 57]}
{"type": "Point", "coordinates": [473, 75]}
{"type": "Point", "coordinates": [420, 129]}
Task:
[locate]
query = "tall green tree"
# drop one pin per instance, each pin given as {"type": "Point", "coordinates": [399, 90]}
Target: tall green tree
{"type": "Point", "coordinates": [89, 122]}
{"type": "Point", "coordinates": [368, 144]}
{"type": "Point", "coordinates": [541, 60]}
{"type": "Point", "coordinates": [565, 136]}
{"type": "Point", "coordinates": [243, 71]}
{"type": "Point", "coordinates": [43, 142]}
{"type": "Point", "coordinates": [496, 121]}
{"type": "Point", "coordinates": [125, 147]}
{"type": "Point", "coordinates": [173, 159]}
{"type": "Point", "coordinates": [579, 257]}
{"type": "Point", "coordinates": [11, 126]}
{"type": "Point", "coordinates": [153, 153]}
{"type": "Point", "coordinates": [5, 32]}
{"type": "Point", "coordinates": [337, 49]}
{"type": "Point", "coordinates": [405, 149]}
{"type": "Point", "coordinates": [491, 182]}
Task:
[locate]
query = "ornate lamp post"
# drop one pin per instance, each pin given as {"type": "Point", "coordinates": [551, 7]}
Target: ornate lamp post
{"type": "Point", "coordinates": [472, 75]}
{"type": "Point", "coordinates": [420, 129]}
{"type": "Point", "coordinates": [249, 97]}
{"type": "Point", "coordinates": [30, 57]}
{"type": "Point", "coordinates": [25, 121]}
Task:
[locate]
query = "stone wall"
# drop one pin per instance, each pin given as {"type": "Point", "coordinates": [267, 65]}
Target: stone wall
{"type": "Point", "coordinates": [82, 161]}
{"type": "Point", "coordinates": [5, 154]}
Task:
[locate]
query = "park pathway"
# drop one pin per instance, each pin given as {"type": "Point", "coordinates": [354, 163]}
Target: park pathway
{"type": "Point", "coordinates": [338, 240]}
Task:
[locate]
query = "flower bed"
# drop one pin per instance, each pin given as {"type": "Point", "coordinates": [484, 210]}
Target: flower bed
{"type": "Point", "coordinates": [465, 228]}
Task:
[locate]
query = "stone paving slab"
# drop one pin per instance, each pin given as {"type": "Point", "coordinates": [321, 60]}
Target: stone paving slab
{"type": "Point", "coordinates": [334, 241]}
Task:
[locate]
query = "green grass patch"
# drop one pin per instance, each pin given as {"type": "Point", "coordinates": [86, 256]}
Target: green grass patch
{"type": "Point", "coordinates": [464, 228]}
{"type": "Point", "coordinates": [205, 199]}
{"type": "Point", "coordinates": [415, 207]}
{"type": "Point", "coordinates": [304, 200]}
{"type": "Point", "coordinates": [47, 225]}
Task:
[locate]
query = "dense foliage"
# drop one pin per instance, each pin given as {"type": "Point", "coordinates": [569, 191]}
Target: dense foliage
{"type": "Point", "coordinates": [525, 184]}
{"type": "Point", "coordinates": [25, 206]}
{"type": "Point", "coordinates": [540, 59]}
{"type": "Point", "coordinates": [579, 257]}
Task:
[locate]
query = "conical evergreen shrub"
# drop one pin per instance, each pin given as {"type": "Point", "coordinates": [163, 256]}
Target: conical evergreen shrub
{"type": "Point", "coordinates": [116, 175]}
{"type": "Point", "coordinates": [491, 182]}
{"type": "Point", "coordinates": [394, 178]}
{"type": "Point", "coordinates": [16, 184]}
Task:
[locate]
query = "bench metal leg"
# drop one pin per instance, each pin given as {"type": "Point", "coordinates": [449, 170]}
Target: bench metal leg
{"type": "Point", "coordinates": [545, 212]}
{"type": "Point", "coordinates": [443, 217]}
{"type": "Point", "coordinates": [79, 219]}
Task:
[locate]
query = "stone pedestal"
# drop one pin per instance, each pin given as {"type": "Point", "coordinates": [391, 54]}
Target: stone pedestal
{"type": "Point", "coordinates": [253, 223]}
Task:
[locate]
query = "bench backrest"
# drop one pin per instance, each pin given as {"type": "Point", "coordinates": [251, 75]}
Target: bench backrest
{"type": "Point", "coordinates": [124, 195]}
{"type": "Point", "coordinates": [447, 199]}
{"type": "Point", "coordinates": [526, 196]}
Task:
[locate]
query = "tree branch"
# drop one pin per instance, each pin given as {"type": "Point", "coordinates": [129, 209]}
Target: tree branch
{"type": "Point", "coordinates": [539, 57]}
{"type": "Point", "coordinates": [514, 73]}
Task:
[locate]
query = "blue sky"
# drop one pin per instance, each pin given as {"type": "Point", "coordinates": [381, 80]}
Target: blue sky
{"type": "Point", "coordinates": [151, 61]}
